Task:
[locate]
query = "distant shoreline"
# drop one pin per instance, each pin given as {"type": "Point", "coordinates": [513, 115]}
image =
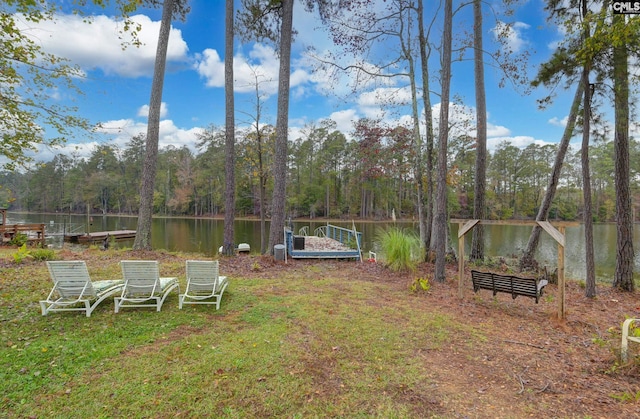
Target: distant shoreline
{"type": "Point", "coordinates": [221, 217]}
{"type": "Point", "coordinates": [257, 218]}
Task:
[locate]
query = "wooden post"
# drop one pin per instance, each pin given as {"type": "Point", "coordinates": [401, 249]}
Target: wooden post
{"type": "Point", "coordinates": [557, 234]}
{"type": "Point", "coordinates": [462, 230]}
{"type": "Point", "coordinates": [460, 264]}
{"type": "Point", "coordinates": [559, 237]}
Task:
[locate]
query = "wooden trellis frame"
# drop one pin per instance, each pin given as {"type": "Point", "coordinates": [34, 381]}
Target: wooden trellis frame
{"type": "Point", "coordinates": [464, 226]}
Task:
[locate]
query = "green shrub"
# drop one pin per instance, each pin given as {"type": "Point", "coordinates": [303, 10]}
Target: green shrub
{"type": "Point", "coordinates": [43, 254]}
{"type": "Point", "coordinates": [420, 284]}
{"type": "Point", "coordinates": [402, 249]}
{"type": "Point", "coordinates": [21, 254]}
{"type": "Point", "coordinates": [19, 239]}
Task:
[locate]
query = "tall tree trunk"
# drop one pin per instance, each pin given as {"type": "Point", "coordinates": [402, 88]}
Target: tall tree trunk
{"type": "Point", "coordinates": [623, 277]}
{"type": "Point", "coordinates": [276, 233]}
{"type": "Point", "coordinates": [149, 168]}
{"type": "Point", "coordinates": [417, 137]}
{"type": "Point", "coordinates": [441, 186]}
{"type": "Point", "coordinates": [229, 137]}
{"type": "Point", "coordinates": [477, 241]}
{"type": "Point", "coordinates": [427, 201]}
{"type": "Point", "coordinates": [590, 280]}
{"type": "Point", "coordinates": [263, 209]}
{"type": "Point", "coordinates": [528, 261]}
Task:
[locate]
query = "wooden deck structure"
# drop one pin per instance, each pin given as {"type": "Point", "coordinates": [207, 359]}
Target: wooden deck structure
{"type": "Point", "coordinates": [35, 233]}
{"type": "Point", "coordinates": [98, 236]}
{"type": "Point", "coordinates": [330, 242]}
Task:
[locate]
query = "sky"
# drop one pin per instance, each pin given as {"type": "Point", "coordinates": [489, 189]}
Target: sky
{"type": "Point", "coordinates": [117, 81]}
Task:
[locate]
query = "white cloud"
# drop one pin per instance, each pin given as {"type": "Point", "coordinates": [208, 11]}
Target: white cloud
{"type": "Point", "coordinates": [385, 96]}
{"type": "Point", "coordinates": [260, 66]}
{"type": "Point", "coordinates": [211, 67]}
{"type": "Point", "coordinates": [47, 154]}
{"type": "Point", "coordinates": [118, 133]}
{"type": "Point", "coordinates": [143, 111]}
{"type": "Point", "coordinates": [520, 141]}
{"type": "Point", "coordinates": [461, 119]}
{"type": "Point", "coordinates": [497, 130]}
{"type": "Point", "coordinates": [342, 75]}
{"type": "Point", "coordinates": [344, 120]}
{"type": "Point", "coordinates": [170, 134]}
{"type": "Point", "coordinates": [559, 122]}
{"type": "Point", "coordinates": [511, 34]}
{"type": "Point", "coordinates": [97, 45]}
{"type": "Point", "coordinates": [121, 131]}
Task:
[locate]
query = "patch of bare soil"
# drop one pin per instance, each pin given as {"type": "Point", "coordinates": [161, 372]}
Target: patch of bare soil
{"type": "Point", "coordinates": [525, 362]}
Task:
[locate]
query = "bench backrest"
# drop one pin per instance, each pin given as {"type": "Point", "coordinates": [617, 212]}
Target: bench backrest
{"type": "Point", "coordinates": [519, 285]}
{"type": "Point", "coordinates": [505, 283]}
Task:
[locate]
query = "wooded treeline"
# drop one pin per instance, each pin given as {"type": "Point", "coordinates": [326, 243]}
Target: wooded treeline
{"type": "Point", "coordinates": [368, 174]}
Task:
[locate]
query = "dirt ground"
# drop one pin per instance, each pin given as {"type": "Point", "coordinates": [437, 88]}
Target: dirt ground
{"type": "Point", "coordinates": [530, 365]}
{"type": "Point", "coordinates": [525, 363]}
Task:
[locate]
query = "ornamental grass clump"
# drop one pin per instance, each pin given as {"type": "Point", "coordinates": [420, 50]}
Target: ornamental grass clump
{"type": "Point", "coordinates": [401, 248]}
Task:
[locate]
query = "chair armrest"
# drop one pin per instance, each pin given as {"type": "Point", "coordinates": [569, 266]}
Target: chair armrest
{"type": "Point", "coordinates": [543, 283]}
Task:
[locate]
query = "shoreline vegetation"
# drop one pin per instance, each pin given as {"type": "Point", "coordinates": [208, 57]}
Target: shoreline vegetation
{"type": "Point", "coordinates": [221, 217]}
{"type": "Point", "coordinates": [313, 338]}
{"type": "Point", "coordinates": [399, 220]}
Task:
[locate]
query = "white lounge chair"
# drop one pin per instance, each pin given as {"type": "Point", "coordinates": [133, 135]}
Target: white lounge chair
{"type": "Point", "coordinates": [627, 336]}
{"type": "Point", "coordinates": [204, 284]}
{"type": "Point", "coordinates": [73, 289]}
{"type": "Point", "coordinates": [143, 286]}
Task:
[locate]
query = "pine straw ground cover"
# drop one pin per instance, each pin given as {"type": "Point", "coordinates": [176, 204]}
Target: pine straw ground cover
{"type": "Point", "coordinates": [313, 338]}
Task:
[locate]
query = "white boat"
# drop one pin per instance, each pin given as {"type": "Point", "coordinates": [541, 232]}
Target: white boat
{"type": "Point", "coordinates": [242, 247]}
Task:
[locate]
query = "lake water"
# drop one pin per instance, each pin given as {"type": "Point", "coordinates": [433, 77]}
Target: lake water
{"type": "Point", "coordinates": [205, 236]}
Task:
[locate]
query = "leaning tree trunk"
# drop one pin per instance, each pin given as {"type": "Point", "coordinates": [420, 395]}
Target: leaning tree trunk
{"type": "Point", "coordinates": [229, 137]}
{"type": "Point", "coordinates": [149, 168]}
{"type": "Point", "coordinates": [477, 240]}
{"type": "Point", "coordinates": [276, 233]}
{"type": "Point", "coordinates": [623, 277]}
{"type": "Point", "coordinates": [528, 260]}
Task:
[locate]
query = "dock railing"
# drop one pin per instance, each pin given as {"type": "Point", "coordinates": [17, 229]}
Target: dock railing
{"type": "Point", "coordinates": [344, 235]}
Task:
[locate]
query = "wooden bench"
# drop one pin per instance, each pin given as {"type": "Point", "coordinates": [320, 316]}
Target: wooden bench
{"type": "Point", "coordinates": [510, 284]}
{"type": "Point", "coordinates": [626, 338]}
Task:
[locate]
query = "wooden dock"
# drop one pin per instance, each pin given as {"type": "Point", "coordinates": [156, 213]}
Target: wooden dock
{"type": "Point", "coordinates": [35, 233]}
{"type": "Point", "coordinates": [98, 236]}
{"type": "Point", "coordinates": [333, 242]}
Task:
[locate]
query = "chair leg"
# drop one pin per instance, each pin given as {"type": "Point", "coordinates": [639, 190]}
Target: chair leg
{"type": "Point", "coordinates": [624, 346]}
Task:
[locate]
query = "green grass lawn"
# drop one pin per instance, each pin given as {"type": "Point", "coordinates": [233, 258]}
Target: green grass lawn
{"type": "Point", "coordinates": [284, 347]}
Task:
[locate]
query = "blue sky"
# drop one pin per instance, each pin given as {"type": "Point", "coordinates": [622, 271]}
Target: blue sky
{"type": "Point", "coordinates": [117, 83]}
